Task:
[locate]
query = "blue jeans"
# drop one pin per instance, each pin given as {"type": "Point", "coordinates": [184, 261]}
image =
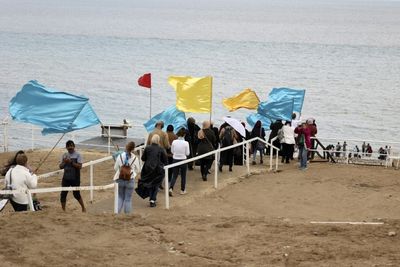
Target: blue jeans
{"type": "Point", "coordinates": [255, 153]}
{"type": "Point", "coordinates": [175, 172]}
{"type": "Point", "coordinates": [303, 157]}
{"type": "Point", "coordinates": [125, 190]}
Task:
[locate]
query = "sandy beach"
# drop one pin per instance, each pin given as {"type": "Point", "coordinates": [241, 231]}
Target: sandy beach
{"type": "Point", "coordinates": [260, 220]}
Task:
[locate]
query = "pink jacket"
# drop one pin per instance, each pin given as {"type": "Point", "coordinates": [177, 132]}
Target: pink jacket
{"type": "Point", "coordinates": [307, 134]}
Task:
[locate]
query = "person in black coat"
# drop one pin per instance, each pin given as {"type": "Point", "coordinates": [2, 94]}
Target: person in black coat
{"type": "Point", "coordinates": [275, 127]}
{"type": "Point", "coordinates": [152, 175]}
{"type": "Point", "coordinates": [207, 143]}
{"type": "Point", "coordinates": [191, 138]}
{"type": "Point", "coordinates": [258, 131]}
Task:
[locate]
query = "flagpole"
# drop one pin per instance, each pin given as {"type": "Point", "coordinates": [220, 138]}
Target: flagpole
{"type": "Point", "coordinates": [150, 101]}
{"type": "Point", "coordinates": [211, 94]}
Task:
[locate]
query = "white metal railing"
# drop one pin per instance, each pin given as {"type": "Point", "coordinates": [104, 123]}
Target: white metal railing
{"type": "Point", "coordinates": [216, 152]}
{"type": "Point", "coordinates": [90, 188]}
{"type": "Point", "coordinates": [348, 155]}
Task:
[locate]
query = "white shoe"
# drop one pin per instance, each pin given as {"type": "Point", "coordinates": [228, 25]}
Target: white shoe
{"type": "Point", "coordinates": [170, 192]}
{"type": "Point", "coordinates": [183, 192]}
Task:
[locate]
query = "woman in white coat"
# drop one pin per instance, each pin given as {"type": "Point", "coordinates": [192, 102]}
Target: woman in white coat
{"type": "Point", "coordinates": [19, 177]}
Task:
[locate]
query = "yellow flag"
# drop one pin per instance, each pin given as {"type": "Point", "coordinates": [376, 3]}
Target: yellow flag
{"type": "Point", "coordinates": [192, 94]}
{"type": "Point", "coordinates": [245, 99]}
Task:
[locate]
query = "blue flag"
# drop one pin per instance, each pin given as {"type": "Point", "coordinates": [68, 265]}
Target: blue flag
{"type": "Point", "coordinates": [254, 117]}
{"type": "Point", "coordinates": [276, 110]}
{"type": "Point", "coordinates": [56, 112]}
{"type": "Point", "coordinates": [172, 116]}
{"type": "Point", "coordinates": [279, 94]}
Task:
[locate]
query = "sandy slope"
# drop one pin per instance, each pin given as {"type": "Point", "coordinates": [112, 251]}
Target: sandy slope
{"type": "Point", "coordinates": [261, 220]}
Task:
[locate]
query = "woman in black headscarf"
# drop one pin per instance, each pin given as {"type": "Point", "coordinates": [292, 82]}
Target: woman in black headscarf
{"type": "Point", "coordinates": [153, 172]}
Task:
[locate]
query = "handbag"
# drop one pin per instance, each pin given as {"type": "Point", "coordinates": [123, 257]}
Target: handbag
{"type": "Point", "coordinates": [7, 187]}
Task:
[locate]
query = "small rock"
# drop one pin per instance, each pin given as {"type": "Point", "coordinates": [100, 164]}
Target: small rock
{"type": "Point", "coordinates": [286, 255]}
{"type": "Point", "coordinates": [181, 243]}
{"type": "Point", "coordinates": [392, 233]}
{"type": "Point", "coordinates": [315, 233]}
{"type": "Point", "coordinates": [286, 220]}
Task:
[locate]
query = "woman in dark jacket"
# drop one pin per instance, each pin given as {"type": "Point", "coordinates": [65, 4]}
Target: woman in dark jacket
{"type": "Point", "coordinates": [258, 131]}
{"type": "Point", "coordinates": [207, 143]}
{"type": "Point", "coordinates": [153, 172]}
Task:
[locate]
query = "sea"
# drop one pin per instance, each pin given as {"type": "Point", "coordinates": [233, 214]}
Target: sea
{"type": "Point", "coordinates": [346, 54]}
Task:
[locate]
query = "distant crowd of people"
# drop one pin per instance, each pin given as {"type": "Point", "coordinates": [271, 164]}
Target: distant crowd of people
{"type": "Point", "coordinates": [341, 150]}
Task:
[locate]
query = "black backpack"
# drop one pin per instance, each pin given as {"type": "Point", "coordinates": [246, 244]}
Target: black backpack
{"type": "Point", "coordinates": [227, 139]}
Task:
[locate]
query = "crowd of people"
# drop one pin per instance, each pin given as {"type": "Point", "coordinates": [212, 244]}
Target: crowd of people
{"type": "Point", "coordinates": [340, 150]}
{"type": "Point", "coordinates": [163, 148]}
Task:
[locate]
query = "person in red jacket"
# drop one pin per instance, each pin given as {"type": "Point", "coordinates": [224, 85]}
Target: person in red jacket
{"type": "Point", "coordinates": [304, 143]}
{"type": "Point", "coordinates": [313, 129]}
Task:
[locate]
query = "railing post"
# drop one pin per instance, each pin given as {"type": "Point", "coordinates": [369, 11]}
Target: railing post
{"type": "Point", "coordinates": [244, 153]}
{"type": "Point", "coordinates": [30, 200]}
{"type": "Point", "coordinates": [91, 182]}
{"type": "Point", "coordinates": [166, 188]}
{"type": "Point", "coordinates": [216, 171]}
{"type": "Point", "coordinates": [109, 140]}
{"type": "Point", "coordinates": [271, 154]}
{"type": "Point", "coordinates": [140, 158]}
{"type": "Point", "coordinates": [277, 160]}
{"type": "Point", "coordinates": [116, 198]}
{"type": "Point", "coordinates": [248, 158]}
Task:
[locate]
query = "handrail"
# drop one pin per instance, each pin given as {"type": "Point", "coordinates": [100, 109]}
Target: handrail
{"type": "Point", "coordinates": [356, 140]}
{"type": "Point", "coordinates": [216, 152]}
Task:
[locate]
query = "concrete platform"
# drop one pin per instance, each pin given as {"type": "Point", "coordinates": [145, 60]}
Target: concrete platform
{"type": "Point", "coordinates": [101, 143]}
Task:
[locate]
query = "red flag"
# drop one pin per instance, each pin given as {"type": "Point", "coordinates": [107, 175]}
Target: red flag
{"type": "Point", "coordinates": [145, 80]}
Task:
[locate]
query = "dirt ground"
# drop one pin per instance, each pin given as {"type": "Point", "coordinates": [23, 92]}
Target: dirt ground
{"type": "Point", "coordinates": [260, 220]}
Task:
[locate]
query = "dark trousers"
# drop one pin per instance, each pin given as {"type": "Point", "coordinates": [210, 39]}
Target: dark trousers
{"type": "Point", "coordinates": [170, 170]}
{"type": "Point", "coordinates": [182, 169]}
{"type": "Point", "coordinates": [18, 207]}
{"type": "Point", "coordinates": [226, 158]}
{"type": "Point", "coordinates": [205, 165]}
{"type": "Point", "coordinates": [153, 193]}
{"type": "Point", "coordinates": [287, 152]}
{"type": "Point", "coordinates": [70, 183]}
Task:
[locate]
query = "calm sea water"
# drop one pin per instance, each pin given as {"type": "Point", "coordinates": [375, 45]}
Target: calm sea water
{"type": "Point", "coordinates": [346, 54]}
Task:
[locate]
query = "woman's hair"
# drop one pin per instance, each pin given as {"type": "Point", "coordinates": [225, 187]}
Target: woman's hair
{"type": "Point", "coordinates": [155, 139]}
{"type": "Point", "coordinates": [130, 146]}
{"type": "Point", "coordinates": [258, 124]}
{"type": "Point", "coordinates": [206, 124]}
{"type": "Point", "coordinates": [181, 132]}
{"type": "Point", "coordinates": [11, 162]}
{"type": "Point", "coordinates": [170, 128]}
{"type": "Point", "coordinates": [21, 159]}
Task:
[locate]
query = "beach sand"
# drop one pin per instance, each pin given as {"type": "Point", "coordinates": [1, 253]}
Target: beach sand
{"type": "Point", "coordinates": [260, 220]}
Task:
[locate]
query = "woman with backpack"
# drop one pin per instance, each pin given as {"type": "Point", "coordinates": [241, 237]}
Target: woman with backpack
{"type": "Point", "coordinates": [126, 169]}
{"type": "Point", "coordinates": [258, 131]}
